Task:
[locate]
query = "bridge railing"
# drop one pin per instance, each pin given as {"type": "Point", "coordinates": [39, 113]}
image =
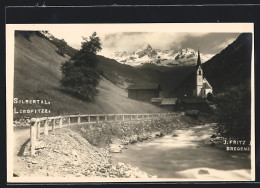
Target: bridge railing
{"type": "Point", "coordinates": [45, 124]}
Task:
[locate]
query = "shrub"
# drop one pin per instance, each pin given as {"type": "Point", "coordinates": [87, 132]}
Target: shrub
{"type": "Point", "coordinates": [233, 112]}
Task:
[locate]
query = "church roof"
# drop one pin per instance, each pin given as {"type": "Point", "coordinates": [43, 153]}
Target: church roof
{"type": "Point", "coordinates": [206, 86]}
{"type": "Point", "coordinates": [198, 61]}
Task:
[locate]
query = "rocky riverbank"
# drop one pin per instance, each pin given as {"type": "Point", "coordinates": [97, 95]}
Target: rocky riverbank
{"type": "Point", "coordinates": [83, 150]}
{"type": "Point", "coordinates": [64, 153]}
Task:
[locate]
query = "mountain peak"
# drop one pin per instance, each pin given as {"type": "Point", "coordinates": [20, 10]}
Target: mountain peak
{"type": "Point", "coordinates": [148, 47]}
{"type": "Point", "coordinates": [147, 54]}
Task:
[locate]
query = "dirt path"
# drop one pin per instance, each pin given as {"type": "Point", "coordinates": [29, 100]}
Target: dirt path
{"type": "Point", "coordinates": [20, 138]}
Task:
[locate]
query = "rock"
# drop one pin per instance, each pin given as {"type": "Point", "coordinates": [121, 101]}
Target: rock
{"type": "Point", "coordinates": [78, 175]}
{"type": "Point", "coordinates": [34, 162]}
{"type": "Point", "coordinates": [124, 142]}
{"type": "Point", "coordinates": [202, 171]}
{"type": "Point", "coordinates": [128, 173]}
{"type": "Point", "coordinates": [40, 145]}
{"type": "Point", "coordinates": [121, 172]}
{"type": "Point", "coordinates": [65, 153]}
{"type": "Point", "coordinates": [119, 165]}
{"type": "Point", "coordinates": [102, 170]}
{"type": "Point", "coordinates": [160, 134]}
{"type": "Point", "coordinates": [155, 134]}
{"type": "Point", "coordinates": [107, 165]}
{"type": "Point", "coordinates": [214, 136]}
{"type": "Point", "coordinates": [56, 151]}
{"type": "Point", "coordinates": [174, 135]}
{"type": "Point", "coordinates": [74, 153]}
{"type": "Point", "coordinates": [139, 138]}
{"type": "Point", "coordinates": [26, 153]}
{"type": "Point", "coordinates": [114, 148]}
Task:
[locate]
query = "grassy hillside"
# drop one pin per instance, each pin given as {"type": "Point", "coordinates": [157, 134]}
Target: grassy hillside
{"type": "Point", "coordinates": [37, 74]}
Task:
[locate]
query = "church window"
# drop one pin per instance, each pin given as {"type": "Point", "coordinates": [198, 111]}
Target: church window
{"type": "Point", "coordinates": [199, 72]}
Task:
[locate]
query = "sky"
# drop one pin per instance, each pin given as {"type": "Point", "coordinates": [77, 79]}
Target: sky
{"type": "Point", "coordinates": [130, 39]}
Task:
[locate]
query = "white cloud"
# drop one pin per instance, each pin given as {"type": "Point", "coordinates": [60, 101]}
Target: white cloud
{"type": "Point", "coordinates": [220, 46]}
{"type": "Point", "coordinates": [130, 41]}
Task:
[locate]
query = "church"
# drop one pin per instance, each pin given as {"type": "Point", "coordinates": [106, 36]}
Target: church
{"type": "Point", "coordinates": [202, 85]}
{"type": "Point", "coordinates": [195, 85]}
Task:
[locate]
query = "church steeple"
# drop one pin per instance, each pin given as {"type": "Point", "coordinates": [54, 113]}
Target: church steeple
{"type": "Point", "coordinates": [199, 77]}
{"type": "Point", "coordinates": [198, 61]}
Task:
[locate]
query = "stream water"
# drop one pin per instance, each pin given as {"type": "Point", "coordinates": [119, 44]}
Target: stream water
{"type": "Point", "coordinates": [186, 156]}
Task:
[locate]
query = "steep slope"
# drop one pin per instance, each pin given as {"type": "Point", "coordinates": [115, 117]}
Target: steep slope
{"type": "Point", "coordinates": [232, 66]}
{"type": "Point", "coordinates": [37, 74]}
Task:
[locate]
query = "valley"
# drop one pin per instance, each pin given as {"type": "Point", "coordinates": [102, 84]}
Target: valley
{"type": "Point", "coordinates": [189, 141]}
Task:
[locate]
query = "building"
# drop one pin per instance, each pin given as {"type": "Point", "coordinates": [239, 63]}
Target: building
{"type": "Point", "coordinates": [194, 85]}
{"type": "Point", "coordinates": [192, 103]}
{"type": "Point", "coordinates": [156, 101]}
{"type": "Point", "coordinates": [202, 85]}
{"type": "Point", "coordinates": [144, 92]}
{"type": "Point", "coordinates": [169, 103]}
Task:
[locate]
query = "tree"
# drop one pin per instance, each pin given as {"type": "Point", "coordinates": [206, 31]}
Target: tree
{"type": "Point", "coordinates": [61, 46]}
{"type": "Point", "coordinates": [233, 112]}
{"type": "Point", "coordinates": [79, 75]}
{"type": "Point", "coordinates": [210, 97]}
{"type": "Point", "coordinates": [87, 55]}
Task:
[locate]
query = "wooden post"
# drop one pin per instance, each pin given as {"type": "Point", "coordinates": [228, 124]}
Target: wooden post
{"type": "Point", "coordinates": [60, 123]}
{"type": "Point", "coordinates": [115, 117]}
{"type": "Point", "coordinates": [46, 127]}
{"type": "Point", "coordinates": [68, 119]}
{"type": "Point", "coordinates": [97, 119]}
{"type": "Point", "coordinates": [33, 137]}
{"type": "Point", "coordinates": [106, 118]}
{"type": "Point", "coordinates": [123, 117]}
{"type": "Point", "coordinates": [130, 117]}
{"type": "Point", "coordinates": [38, 125]}
{"type": "Point", "coordinates": [53, 124]}
{"type": "Point", "coordinates": [78, 119]}
{"type": "Point", "coordinates": [88, 119]}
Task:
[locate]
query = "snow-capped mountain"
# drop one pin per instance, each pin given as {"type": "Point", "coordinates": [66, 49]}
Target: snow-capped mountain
{"type": "Point", "coordinates": [159, 57]}
{"type": "Point", "coordinates": [47, 35]}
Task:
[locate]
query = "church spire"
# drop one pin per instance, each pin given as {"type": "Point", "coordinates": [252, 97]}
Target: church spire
{"type": "Point", "coordinates": [198, 61]}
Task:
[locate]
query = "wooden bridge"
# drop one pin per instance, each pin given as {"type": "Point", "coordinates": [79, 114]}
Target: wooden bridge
{"type": "Point", "coordinates": [46, 123]}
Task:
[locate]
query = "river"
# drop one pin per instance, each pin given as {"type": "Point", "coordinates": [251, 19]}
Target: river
{"type": "Point", "coordinates": [186, 156]}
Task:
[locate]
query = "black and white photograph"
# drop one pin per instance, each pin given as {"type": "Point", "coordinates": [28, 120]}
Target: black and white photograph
{"type": "Point", "coordinates": [124, 102]}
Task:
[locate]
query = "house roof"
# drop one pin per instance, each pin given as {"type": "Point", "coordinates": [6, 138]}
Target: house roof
{"type": "Point", "coordinates": [158, 100]}
{"type": "Point", "coordinates": [192, 100]}
{"type": "Point", "coordinates": [144, 86]}
{"type": "Point", "coordinates": [169, 101]}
